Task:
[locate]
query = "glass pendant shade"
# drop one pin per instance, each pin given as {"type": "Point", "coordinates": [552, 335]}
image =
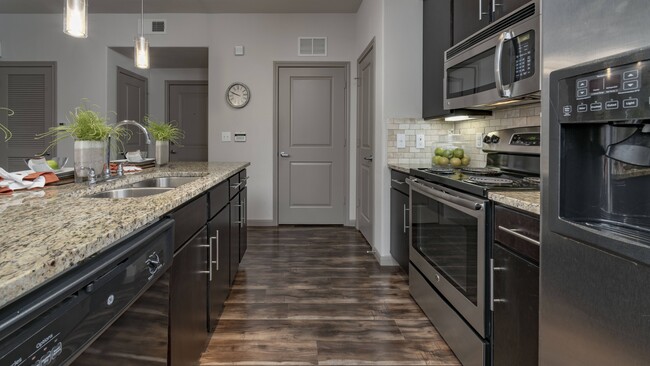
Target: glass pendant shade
{"type": "Point", "coordinates": [141, 53]}
{"type": "Point", "coordinates": [75, 18]}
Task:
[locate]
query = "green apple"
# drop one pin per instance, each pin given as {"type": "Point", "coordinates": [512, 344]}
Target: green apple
{"type": "Point", "coordinates": [465, 161]}
{"type": "Point", "coordinates": [459, 153]}
{"type": "Point", "coordinates": [455, 162]}
{"type": "Point", "coordinates": [53, 164]}
{"type": "Point", "coordinates": [439, 151]}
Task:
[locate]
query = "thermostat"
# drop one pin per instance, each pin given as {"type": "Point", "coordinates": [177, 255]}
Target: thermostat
{"type": "Point", "coordinates": [240, 137]}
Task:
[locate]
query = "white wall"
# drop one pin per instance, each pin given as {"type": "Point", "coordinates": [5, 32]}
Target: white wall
{"type": "Point", "coordinates": [396, 26]}
{"type": "Point", "coordinates": [266, 38]}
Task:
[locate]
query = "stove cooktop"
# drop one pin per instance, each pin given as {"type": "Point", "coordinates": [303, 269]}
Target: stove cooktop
{"type": "Point", "coordinates": [474, 182]}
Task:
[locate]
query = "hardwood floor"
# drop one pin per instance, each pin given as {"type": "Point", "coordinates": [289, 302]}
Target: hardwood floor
{"type": "Point", "coordinates": [313, 296]}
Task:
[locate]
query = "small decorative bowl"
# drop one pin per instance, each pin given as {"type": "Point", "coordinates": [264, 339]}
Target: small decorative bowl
{"type": "Point", "coordinates": [34, 163]}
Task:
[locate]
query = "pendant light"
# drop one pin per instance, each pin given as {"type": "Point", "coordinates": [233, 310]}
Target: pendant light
{"type": "Point", "coordinates": [75, 18]}
{"type": "Point", "coordinates": [141, 46]}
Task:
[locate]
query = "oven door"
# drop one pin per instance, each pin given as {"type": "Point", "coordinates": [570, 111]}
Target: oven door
{"type": "Point", "coordinates": [448, 237]}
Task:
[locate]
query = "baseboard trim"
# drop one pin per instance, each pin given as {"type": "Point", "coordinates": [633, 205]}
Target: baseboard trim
{"type": "Point", "coordinates": [351, 223]}
{"type": "Point", "coordinates": [384, 260]}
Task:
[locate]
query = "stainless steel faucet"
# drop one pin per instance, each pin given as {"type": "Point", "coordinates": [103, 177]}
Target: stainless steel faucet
{"type": "Point", "coordinates": [107, 169]}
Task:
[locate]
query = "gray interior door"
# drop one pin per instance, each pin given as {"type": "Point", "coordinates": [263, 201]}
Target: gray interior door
{"type": "Point", "coordinates": [29, 92]}
{"type": "Point", "coordinates": [132, 104]}
{"type": "Point", "coordinates": [187, 106]}
{"type": "Point", "coordinates": [365, 142]}
{"type": "Point", "coordinates": [311, 144]}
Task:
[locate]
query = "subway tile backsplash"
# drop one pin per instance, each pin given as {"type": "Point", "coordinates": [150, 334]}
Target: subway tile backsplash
{"type": "Point", "coordinates": [436, 134]}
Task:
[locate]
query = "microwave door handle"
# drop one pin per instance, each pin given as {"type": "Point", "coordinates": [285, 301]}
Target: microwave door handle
{"type": "Point", "coordinates": [504, 91]}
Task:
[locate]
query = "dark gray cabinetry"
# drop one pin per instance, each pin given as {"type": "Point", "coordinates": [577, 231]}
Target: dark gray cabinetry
{"type": "Point", "coordinates": [399, 219]}
{"type": "Point", "coordinates": [516, 288]}
{"type": "Point", "coordinates": [235, 224]}
{"type": "Point", "coordinates": [219, 283]}
{"type": "Point", "coordinates": [188, 283]}
{"type": "Point", "coordinates": [469, 16]}
{"type": "Point", "coordinates": [504, 7]}
{"type": "Point", "coordinates": [436, 40]}
{"type": "Point", "coordinates": [243, 230]}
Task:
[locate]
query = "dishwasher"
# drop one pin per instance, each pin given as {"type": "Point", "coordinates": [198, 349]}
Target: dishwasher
{"type": "Point", "coordinates": [56, 322]}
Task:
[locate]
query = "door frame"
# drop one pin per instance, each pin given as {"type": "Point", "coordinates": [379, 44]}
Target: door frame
{"type": "Point", "coordinates": [277, 65]}
{"type": "Point", "coordinates": [370, 47]}
{"type": "Point", "coordinates": [53, 66]}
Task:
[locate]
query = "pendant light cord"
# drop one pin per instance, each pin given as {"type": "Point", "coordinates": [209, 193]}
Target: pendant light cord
{"type": "Point", "coordinates": [142, 21]}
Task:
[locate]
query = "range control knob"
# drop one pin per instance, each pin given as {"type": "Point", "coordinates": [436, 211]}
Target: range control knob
{"type": "Point", "coordinates": [486, 139]}
{"type": "Point", "coordinates": [494, 139]}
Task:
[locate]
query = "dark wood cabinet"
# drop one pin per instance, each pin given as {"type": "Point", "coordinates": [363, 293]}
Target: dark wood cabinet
{"type": "Point", "coordinates": [187, 302]}
{"type": "Point", "coordinates": [505, 7]}
{"type": "Point", "coordinates": [436, 40]}
{"type": "Point", "coordinates": [516, 288]}
{"type": "Point", "coordinates": [399, 220]}
{"type": "Point", "coordinates": [243, 230]}
{"type": "Point", "coordinates": [219, 284]}
{"type": "Point", "coordinates": [470, 16]}
{"type": "Point", "coordinates": [235, 225]}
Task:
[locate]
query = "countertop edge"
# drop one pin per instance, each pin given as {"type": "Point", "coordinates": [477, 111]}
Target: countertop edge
{"type": "Point", "coordinates": [528, 201]}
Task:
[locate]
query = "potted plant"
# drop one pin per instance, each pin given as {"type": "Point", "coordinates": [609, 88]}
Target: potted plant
{"type": "Point", "coordinates": [4, 128]}
{"type": "Point", "coordinates": [164, 133]}
{"type": "Point", "coordinates": [90, 133]}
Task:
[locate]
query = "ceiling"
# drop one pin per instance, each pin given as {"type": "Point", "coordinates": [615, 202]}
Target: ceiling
{"type": "Point", "coordinates": [187, 6]}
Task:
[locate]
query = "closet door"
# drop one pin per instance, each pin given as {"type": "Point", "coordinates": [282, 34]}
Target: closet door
{"type": "Point", "coordinates": [28, 89]}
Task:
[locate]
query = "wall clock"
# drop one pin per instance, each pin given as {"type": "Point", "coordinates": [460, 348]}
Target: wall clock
{"type": "Point", "coordinates": [238, 95]}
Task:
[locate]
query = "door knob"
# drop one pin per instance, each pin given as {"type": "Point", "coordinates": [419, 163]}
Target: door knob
{"type": "Point", "coordinates": [284, 154]}
{"type": "Point", "coordinates": [173, 151]}
{"type": "Point", "coordinates": [369, 158]}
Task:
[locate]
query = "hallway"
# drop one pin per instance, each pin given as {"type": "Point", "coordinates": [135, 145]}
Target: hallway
{"type": "Point", "coordinates": [313, 296]}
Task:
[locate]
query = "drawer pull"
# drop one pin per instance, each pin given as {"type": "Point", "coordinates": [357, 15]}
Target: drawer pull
{"type": "Point", "coordinates": [518, 235]}
{"type": "Point", "coordinates": [397, 181]}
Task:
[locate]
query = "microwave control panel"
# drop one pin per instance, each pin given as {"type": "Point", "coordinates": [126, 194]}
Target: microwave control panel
{"type": "Point", "coordinates": [611, 94]}
{"type": "Point", "coordinates": [525, 55]}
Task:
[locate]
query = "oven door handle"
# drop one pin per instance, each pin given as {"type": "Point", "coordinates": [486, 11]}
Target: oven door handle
{"type": "Point", "coordinates": [477, 206]}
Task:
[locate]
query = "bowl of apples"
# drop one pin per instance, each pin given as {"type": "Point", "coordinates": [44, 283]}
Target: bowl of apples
{"type": "Point", "coordinates": [450, 156]}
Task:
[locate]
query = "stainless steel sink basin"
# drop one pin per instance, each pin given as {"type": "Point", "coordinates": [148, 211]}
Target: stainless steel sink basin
{"type": "Point", "coordinates": [165, 182]}
{"type": "Point", "coordinates": [130, 192]}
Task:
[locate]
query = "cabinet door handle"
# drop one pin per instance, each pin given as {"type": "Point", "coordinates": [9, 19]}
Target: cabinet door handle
{"type": "Point", "coordinates": [216, 263]}
{"type": "Point", "coordinates": [243, 209]}
{"type": "Point", "coordinates": [491, 273]}
{"type": "Point", "coordinates": [494, 6]}
{"type": "Point", "coordinates": [236, 186]}
{"type": "Point", "coordinates": [209, 246]}
{"type": "Point", "coordinates": [405, 226]}
{"type": "Point", "coordinates": [520, 236]}
{"type": "Point", "coordinates": [397, 181]}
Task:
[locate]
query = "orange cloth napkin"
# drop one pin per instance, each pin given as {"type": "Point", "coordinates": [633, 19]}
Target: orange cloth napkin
{"type": "Point", "coordinates": [49, 178]}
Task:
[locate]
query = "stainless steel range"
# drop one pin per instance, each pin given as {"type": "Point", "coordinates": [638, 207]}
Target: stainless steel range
{"type": "Point", "coordinates": [451, 236]}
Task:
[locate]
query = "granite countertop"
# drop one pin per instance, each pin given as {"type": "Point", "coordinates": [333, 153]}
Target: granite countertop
{"type": "Point", "coordinates": [46, 232]}
{"type": "Point", "coordinates": [524, 200]}
{"type": "Point", "coordinates": [405, 168]}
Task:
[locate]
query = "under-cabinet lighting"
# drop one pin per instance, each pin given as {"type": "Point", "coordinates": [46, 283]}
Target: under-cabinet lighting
{"type": "Point", "coordinates": [75, 18]}
{"type": "Point", "coordinates": [458, 118]}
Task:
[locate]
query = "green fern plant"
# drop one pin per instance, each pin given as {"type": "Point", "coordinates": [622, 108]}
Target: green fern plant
{"type": "Point", "coordinates": [164, 131]}
{"type": "Point", "coordinates": [4, 128]}
{"type": "Point", "coordinates": [84, 124]}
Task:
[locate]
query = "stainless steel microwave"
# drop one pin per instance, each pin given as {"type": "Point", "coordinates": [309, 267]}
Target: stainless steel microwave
{"type": "Point", "coordinates": [498, 65]}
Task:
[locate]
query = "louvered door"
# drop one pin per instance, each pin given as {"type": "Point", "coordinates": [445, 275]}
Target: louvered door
{"type": "Point", "coordinates": [29, 92]}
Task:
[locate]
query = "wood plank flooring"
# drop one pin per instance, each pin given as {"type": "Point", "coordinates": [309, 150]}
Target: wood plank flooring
{"type": "Point", "coordinates": [313, 296]}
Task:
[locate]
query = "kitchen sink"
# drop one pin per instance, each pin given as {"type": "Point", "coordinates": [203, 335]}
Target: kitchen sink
{"type": "Point", "coordinates": [130, 192]}
{"type": "Point", "coordinates": [164, 182]}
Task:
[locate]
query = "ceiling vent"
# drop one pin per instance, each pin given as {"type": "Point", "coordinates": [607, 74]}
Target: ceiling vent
{"type": "Point", "coordinates": [312, 46]}
{"type": "Point", "coordinates": [154, 26]}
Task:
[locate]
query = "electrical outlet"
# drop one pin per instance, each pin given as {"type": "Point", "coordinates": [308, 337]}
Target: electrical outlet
{"type": "Point", "coordinates": [479, 140]}
{"type": "Point", "coordinates": [419, 141]}
{"type": "Point", "coordinates": [401, 140]}
{"type": "Point", "coordinates": [225, 137]}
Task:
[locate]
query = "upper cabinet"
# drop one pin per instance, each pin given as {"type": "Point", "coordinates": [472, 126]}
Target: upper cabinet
{"type": "Point", "coordinates": [436, 40]}
{"type": "Point", "coordinates": [470, 16]}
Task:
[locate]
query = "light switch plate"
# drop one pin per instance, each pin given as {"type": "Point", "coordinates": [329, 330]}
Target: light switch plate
{"type": "Point", "coordinates": [225, 137]}
{"type": "Point", "coordinates": [240, 137]}
{"type": "Point", "coordinates": [419, 141]}
{"type": "Point", "coordinates": [401, 140]}
{"type": "Point", "coordinates": [479, 140]}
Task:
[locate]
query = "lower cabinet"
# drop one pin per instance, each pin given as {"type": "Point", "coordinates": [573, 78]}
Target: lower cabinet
{"type": "Point", "coordinates": [243, 232]}
{"type": "Point", "coordinates": [235, 225]}
{"type": "Point", "coordinates": [399, 220]}
{"type": "Point", "coordinates": [219, 283]}
{"type": "Point", "coordinates": [187, 301]}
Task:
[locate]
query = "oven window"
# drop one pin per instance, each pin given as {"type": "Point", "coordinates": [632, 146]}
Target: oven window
{"type": "Point", "coordinates": [472, 76]}
{"type": "Point", "coordinates": [448, 239]}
